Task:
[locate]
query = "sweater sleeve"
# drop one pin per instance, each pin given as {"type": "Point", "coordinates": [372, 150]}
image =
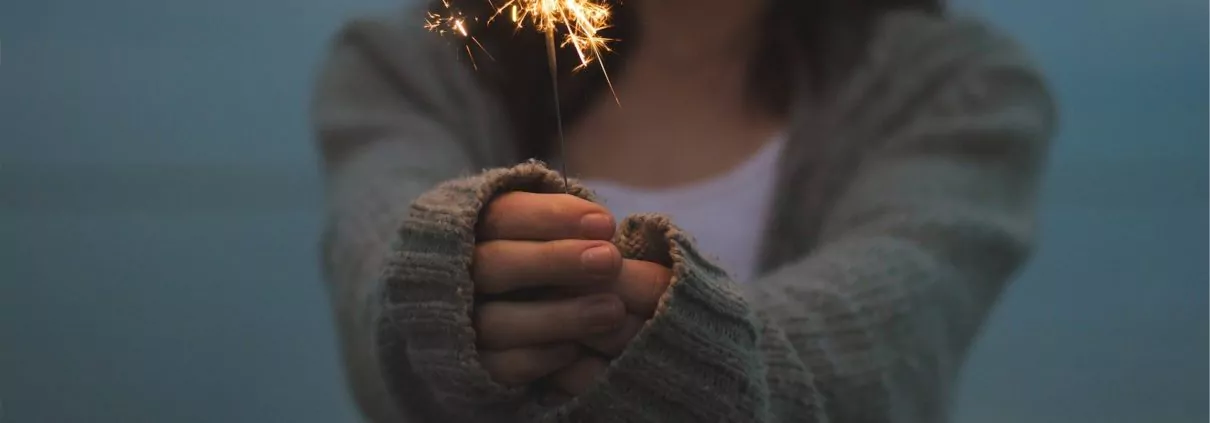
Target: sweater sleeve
{"type": "Point", "coordinates": [395, 115]}
{"type": "Point", "coordinates": [873, 324]}
{"type": "Point", "coordinates": [706, 355]}
{"type": "Point", "coordinates": [937, 217]}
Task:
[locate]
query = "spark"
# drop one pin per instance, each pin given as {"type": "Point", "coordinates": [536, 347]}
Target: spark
{"type": "Point", "coordinates": [454, 22]}
{"type": "Point", "coordinates": [580, 21]}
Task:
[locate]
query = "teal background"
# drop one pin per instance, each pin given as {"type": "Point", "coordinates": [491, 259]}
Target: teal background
{"type": "Point", "coordinates": [159, 211]}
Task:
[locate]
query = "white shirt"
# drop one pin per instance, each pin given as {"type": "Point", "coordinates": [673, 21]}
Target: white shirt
{"type": "Point", "coordinates": [725, 214]}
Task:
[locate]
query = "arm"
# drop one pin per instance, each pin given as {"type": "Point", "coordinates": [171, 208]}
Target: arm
{"type": "Point", "coordinates": [395, 114]}
{"type": "Point", "coordinates": [871, 326]}
{"type": "Point", "coordinates": [921, 242]}
{"type": "Point", "coordinates": [874, 323]}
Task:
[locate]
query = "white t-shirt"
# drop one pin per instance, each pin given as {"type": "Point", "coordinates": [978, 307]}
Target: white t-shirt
{"type": "Point", "coordinates": [725, 214]}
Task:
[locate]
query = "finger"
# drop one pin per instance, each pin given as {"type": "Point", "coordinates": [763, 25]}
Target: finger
{"type": "Point", "coordinates": [503, 266]}
{"type": "Point", "coordinates": [639, 283]}
{"type": "Point", "coordinates": [502, 325]}
{"type": "Point", "coordinates": [612, 343]}
{"type": "Point", "coordinates": [520, 366]}
{"type": "Point", "coordinates": [544, 217]}
{"type": "Point", "coordinates": [576, 378]}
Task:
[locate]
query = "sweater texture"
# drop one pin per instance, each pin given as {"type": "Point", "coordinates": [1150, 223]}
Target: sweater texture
{"type": "Point", "coordinates": [903, 206]}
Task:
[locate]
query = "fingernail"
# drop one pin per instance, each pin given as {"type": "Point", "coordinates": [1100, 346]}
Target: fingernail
{"type": "Point", "coordinates": [603, 313]}
{"type": "Point", "coordinates": [598, 259]}
{"type": "Point", "coordinates": [597, 226]}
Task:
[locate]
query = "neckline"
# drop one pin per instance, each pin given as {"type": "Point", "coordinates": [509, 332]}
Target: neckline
{"type": "Point", "coordinates": [764, 160]}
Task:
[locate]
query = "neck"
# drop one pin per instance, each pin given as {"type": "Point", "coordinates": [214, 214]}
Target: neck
{"type": "Point", "coordinates": [694, 34]}
{"type": "Point", "coordinates": [691, 51]}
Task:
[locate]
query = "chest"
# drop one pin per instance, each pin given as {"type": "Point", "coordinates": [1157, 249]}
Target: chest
{"type": "Point", "coordinates": [760, 224]}
{"type": "Point", "coordinates": [727, 214]}
{"type": "Point", "coordinates": [657, 142]}
{"type": "Point", "coordinates": [657, 160]}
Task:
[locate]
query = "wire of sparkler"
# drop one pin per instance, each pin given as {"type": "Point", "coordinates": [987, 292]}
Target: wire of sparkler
{"type": "Point", "coordinates": [553, 64]}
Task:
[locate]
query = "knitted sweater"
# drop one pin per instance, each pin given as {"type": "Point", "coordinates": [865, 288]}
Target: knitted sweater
{"type": "Point", "coordinates": [903, 206]}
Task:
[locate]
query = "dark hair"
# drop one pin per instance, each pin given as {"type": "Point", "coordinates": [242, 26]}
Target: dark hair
{"type": "Point", "coordinates": [824, 38]}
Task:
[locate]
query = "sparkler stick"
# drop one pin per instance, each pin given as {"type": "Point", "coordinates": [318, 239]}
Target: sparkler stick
{"type": "Point", "coordinates": [582, 21]}
{"type": "Point", "coordinates": [553, 63]}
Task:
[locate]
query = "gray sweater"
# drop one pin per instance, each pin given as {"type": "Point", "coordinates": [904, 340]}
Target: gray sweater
{"type": "Point", "coordinates": [903, 207]}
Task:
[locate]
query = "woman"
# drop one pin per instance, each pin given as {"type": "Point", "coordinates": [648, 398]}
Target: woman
{"type": "Point", "coordinates": [862, 175]}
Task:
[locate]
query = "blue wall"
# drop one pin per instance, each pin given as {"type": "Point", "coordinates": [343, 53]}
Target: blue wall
{"type": "Point", "coordinates": [158, 211]}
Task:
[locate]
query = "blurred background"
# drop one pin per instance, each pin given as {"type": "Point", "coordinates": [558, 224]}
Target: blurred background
{"type": "Point", "coordinates": [159, 211]}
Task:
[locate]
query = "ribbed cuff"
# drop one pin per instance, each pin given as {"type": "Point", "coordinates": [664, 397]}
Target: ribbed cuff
{"type": "Point", "coordinates": [696, 360]}
{"type": "Point", "coordinates": [425, 339]}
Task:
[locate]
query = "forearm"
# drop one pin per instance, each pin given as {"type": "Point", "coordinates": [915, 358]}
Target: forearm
{"type": "Point", "coordinates": [368, 195]}
{"type": "Point", "coordinates": [936, 215]}
{"type": "Point", "coordinates": [872, 326]}
{"type": "Point", "coordinates": [834, 337]}
{"type": "Point", "coordinates": [706, 354]}
{"type": "Point", "coordinates": [883, 319]}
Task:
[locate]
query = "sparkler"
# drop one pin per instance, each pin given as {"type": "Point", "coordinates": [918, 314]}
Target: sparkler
{"type": "Point", "coordinates": [581, 21]}
{"type": "Point", "coordinates": [454, 22]}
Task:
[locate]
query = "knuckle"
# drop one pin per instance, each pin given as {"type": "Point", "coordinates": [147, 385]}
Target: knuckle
{"type": "Point", "coordinates": [482, 260]}
{"type": "Point", "coordinates": [487, 250]}
{"type": "Point", "coordinates": [485, 321]}
{"type": "Point", "coordinates": [482, 331]}
{"type": "Point", "coordinates": [554, 208]}
{"type": "Point", "coordinates": [496, 209]}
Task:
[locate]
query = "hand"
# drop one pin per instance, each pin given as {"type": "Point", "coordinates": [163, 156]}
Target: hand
{"type": "Point", "coordinates": [542, 241]}
{"type": "Point", "coordinates": [534, 241]}
{"type": "Point", "coordinates": [640, 284]}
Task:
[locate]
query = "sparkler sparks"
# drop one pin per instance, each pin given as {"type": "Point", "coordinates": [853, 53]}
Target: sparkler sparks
{"type": "Point", "coordinates": [453, 22]}
{"type": "Point", "coordinates": [581, 22]}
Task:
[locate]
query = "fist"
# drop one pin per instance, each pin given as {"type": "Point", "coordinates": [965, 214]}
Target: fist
{"type": "Point", "coordinates": [554, 295]}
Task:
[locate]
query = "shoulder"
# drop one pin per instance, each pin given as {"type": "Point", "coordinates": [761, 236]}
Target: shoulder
{"type": "Point", "coordinates": [387, 76]}
{"type": "Point", "coordinates": [395, 37]}
{"type": "Point", "coordinates": [926, 44]}
{"type": "Point", "coordinates": [920, 67]}
{"type": "Point", "coordinates": [387, 68]}
{"type": "Point", "coordinates": [392, 54]}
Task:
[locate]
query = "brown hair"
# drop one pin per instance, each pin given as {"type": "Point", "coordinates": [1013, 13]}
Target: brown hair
{"type": "Point", "coordinates": [824, 38]}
